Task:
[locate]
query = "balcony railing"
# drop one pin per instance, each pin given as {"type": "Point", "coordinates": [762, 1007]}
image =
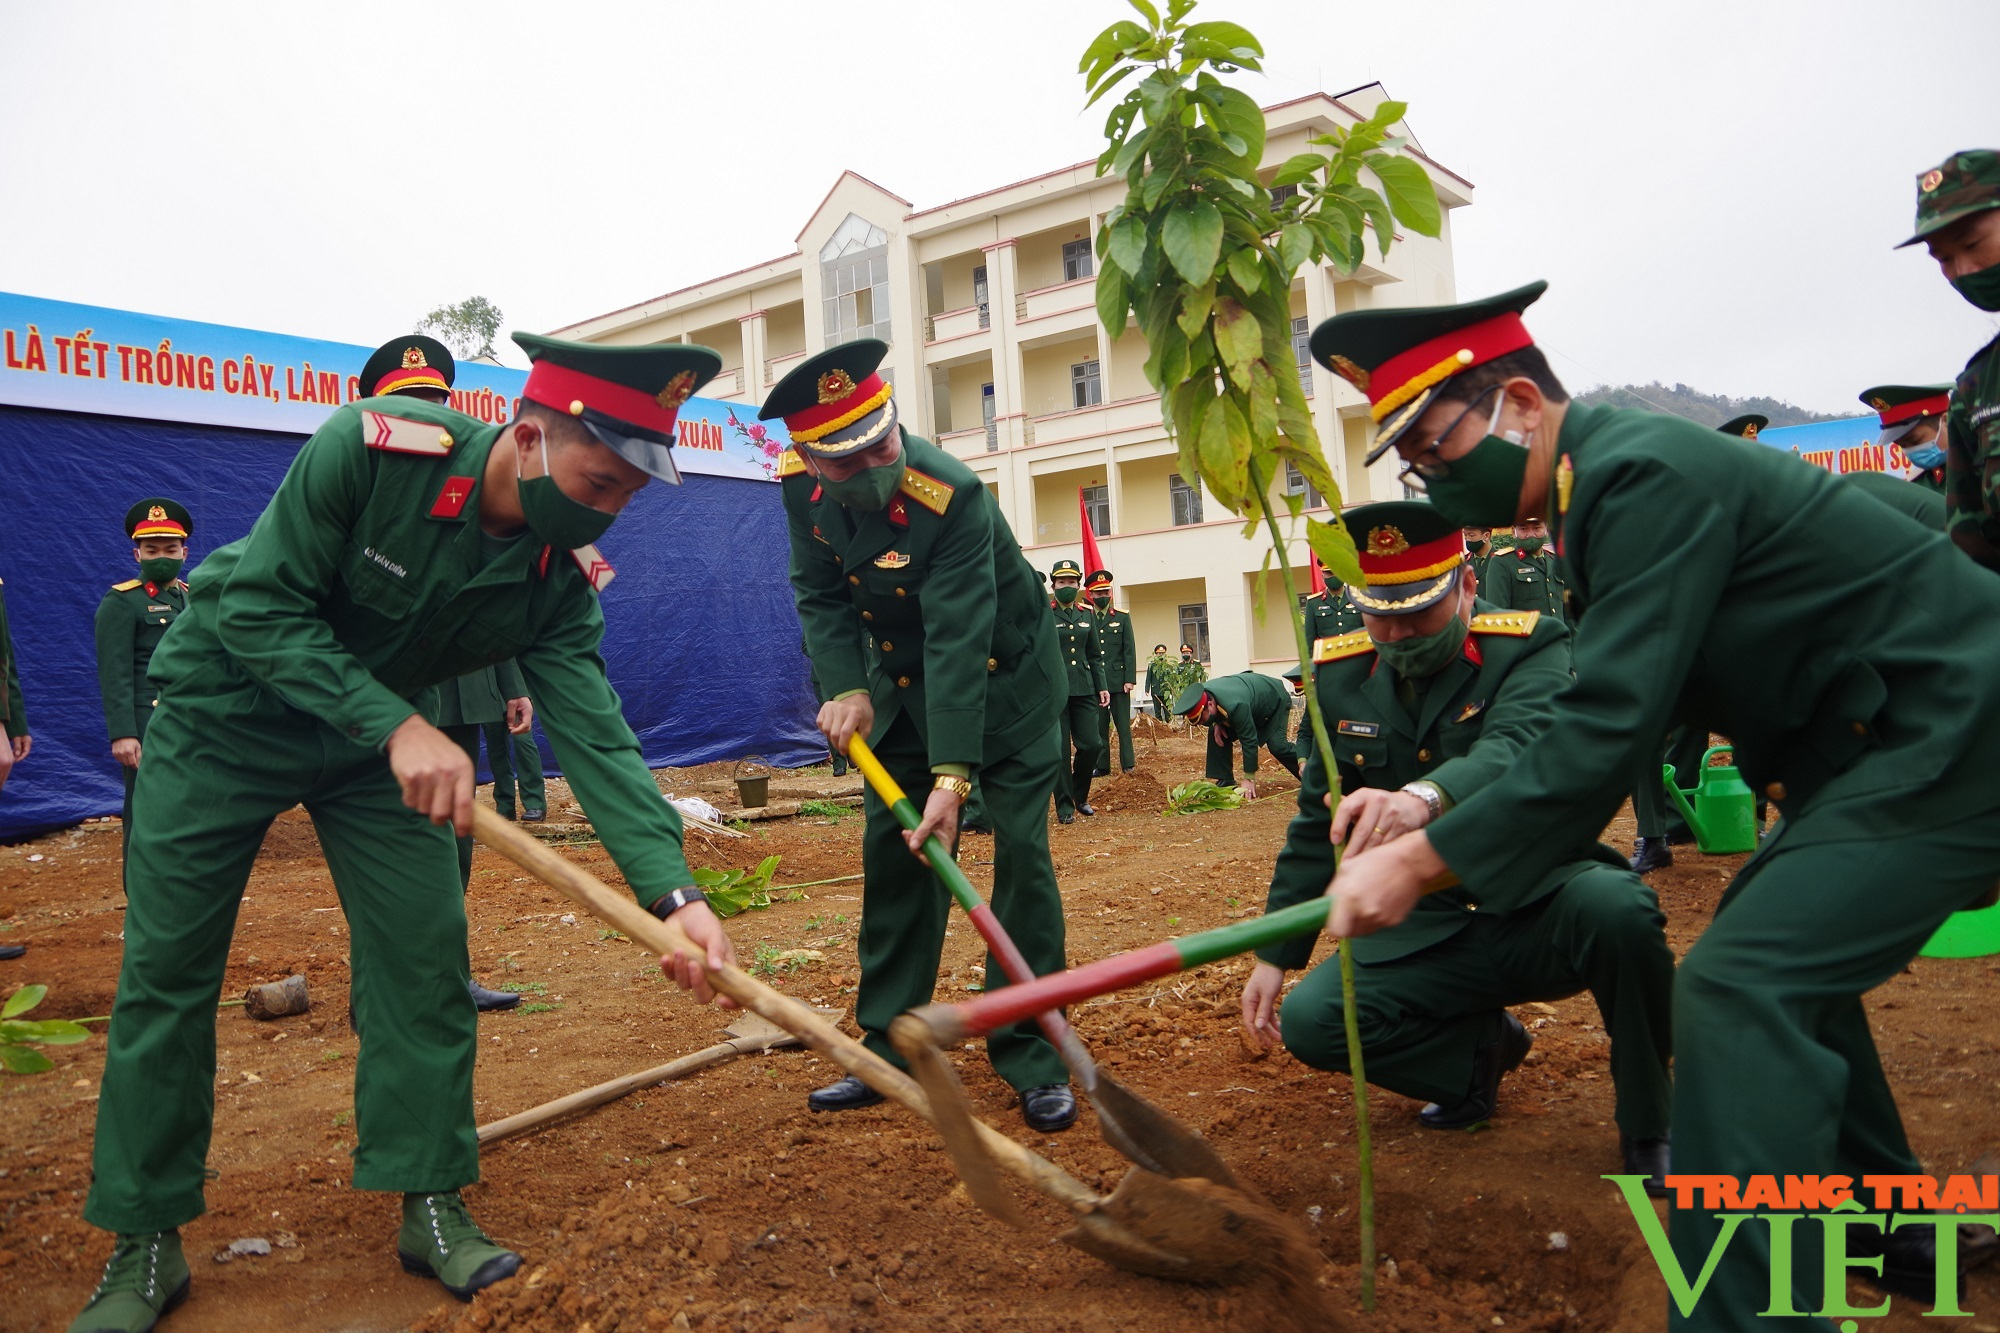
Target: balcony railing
{"type": "Point", "coordinates": [1061, 299]}
{"type": "Point", "coordinates": [1127, 414]}
{"type": "Point", "coordinates": [776, 366]}
{"type": "Point", "coordinates": [957, 323]}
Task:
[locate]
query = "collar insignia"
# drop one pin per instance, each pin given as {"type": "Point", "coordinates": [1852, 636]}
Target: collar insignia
{"type": "Point", "coordinates": [835, 386]}
{"type": "Point", "coordinates": [1387, 540]}
{"type": "Point", "coordinates": [678, 390]}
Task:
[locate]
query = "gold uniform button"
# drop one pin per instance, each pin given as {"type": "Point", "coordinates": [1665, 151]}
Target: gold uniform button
{"type": "Point", "coordinates": [867, 615]}
{"type": "Point", "coordinates": [1472, 907]}
{"type": "Point", "coordinates": [899, 592]}
{"type": "Point", "coordinates": [854, 578]}
{"type": "Point", "coordinates": [903, 682]}
{"type": "Point", "coordinates": [992, 664]}
{"type": "Point", "coordinates": [1360, 760]}
{"type": "Point", "coordinates": [1860, 728]}
{"type": "Point", "coordinates": [1424, 756]}
{"type": "Point", "coordinates": [444, 439]}
{"type": "Point", "coordinates": [888, 647]}
{"type": "Point", "coordinates": [1776, 791]}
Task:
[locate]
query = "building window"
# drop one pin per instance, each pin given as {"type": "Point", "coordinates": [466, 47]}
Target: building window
{"type": "Point", "coordinates": [1097, 505]}
{"type": "Point", "coordinates": [1086, 386]}
{"type": "Point", "coordinates": [854, 282]}
{"type": "Point", "coordinates": [979, 296]}
{"type": "Point", "coordinates": [1302, 351]}
{"type": "Point", "coordinates": [1296, 484]}
{"type": "Point", "coordinates": [1186, 500]}
{"type": "Point", "coordinates": [1076, 260]}
{"type": "Point", "coordinates": [1280, 193]}
{"type": "Point", "coordinates": [1194, 628]}
{"type": "Point", "coordinates": [986, 416]}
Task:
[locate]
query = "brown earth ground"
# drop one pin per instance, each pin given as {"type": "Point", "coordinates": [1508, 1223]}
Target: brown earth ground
{"type": "Point", "coordinates": [721, 1203]}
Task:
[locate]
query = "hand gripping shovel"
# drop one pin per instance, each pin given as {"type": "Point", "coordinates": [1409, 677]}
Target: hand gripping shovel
{"type": "Point", "coordinates": [1131, 1124]}
{"type": "Point", "coordinates": [1218, 1240]}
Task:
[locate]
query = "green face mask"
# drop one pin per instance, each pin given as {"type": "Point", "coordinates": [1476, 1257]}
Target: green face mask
{"type": "Point", "coordinates": [553, 516]}
{"type": "Point", "coordinates": [1425, 655]}
{"type": "Point", "coordinates": [1981, 288]}
{"type": "Point", "coordinates": [1067, 596]}
{"type": "Point", "coordinates": [867, 490]}
{"type": "Point", "coordinates": [1482, 489]}
{"type": "Point", "coordinates": [161, 569]}
{"type": "Point", "coordinates": [1532, 545]}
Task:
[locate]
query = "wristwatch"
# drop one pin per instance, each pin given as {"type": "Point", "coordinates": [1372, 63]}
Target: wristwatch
{"type": "Point", "coordinates": [1428, 793]}
{"type": "Point", "coordinates": [678, 899]}
{"type": "Point", "coordinates": [946, 782]}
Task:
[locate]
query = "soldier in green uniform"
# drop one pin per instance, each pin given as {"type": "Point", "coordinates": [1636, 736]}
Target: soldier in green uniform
{"type": "Point", "coordinates": [518, 787]}
{"type": "Point", "coordinates": [1789, 621]}
{"type": "Point", "coordinates": [1328, 613]}
{"type": "Point", "coordinates": [1248, 709]}
{"type": "Point", "coordinates": [407, 544]}
{"type": "Point", "coordinates": [14, 738]}
{"type": "Point", "coordinates": [1428, 704]}
{"type": "Point", "coordinates": [1526, 578]}
{"type": "Point", "coordinates": [1085, 691]}
{"type": "Point", "coordinates": [1958, 220]}
{"type": "Point", "coordinates": [1478, 552]}
{"type": "Point", "coordinates": [1160, 681]}
{"type": "Point", "coordinates": [1913, 418]}
{"type": "Point", "coordinates": [1119, 652]}
{"type": "Point", "coordinates": [131, 621]}
{"type": "Point", "coordinates": [893, 537]}
{"type": "Point", "coordinates": [1193, 671]}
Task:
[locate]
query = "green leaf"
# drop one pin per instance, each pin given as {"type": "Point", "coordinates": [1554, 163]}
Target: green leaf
{"type": "Point", "coordinates": [1239, 339]}
{"type": "Point", "coordinates": [1263, 410]}
{"type": "Point", "coordinates": [1200, 797]}
{"type": "Point", "coordinates": [1218, 457]}
{"type": "Point", "coordinates": [1128, 244]}
{"type": "Point", "coordinates": [1412, 197]}
{"type": "Point", "coordinates": [22, 1000]}
{"type": "Point", "coordinates": [56, 1032]}
{"type": "Point", "coordinates": [1229, 36]}
{"type": "Point", "coordinates": [1247, 268]}
{"type": "Point", "coordinates": [1112, 42]}
{"type": "Point", "coordinates": [1238, 113]}
{"type": "Point", "coordinates": [1152, 14]}
{"type": "Point", "coordinates": [1167, 363]}
{"type": "Point", "coordinates": [1335, 549]}
{"type": "Point", "coordinates": [1129, 155]}
{"type": "Point", "coordinates": [1195, 309]}
{"type": "Point", "coordinates": [1192, 239]}
{"type": "Point", "coordinates": [21, 1060]}
{"type": "Point", "coordinates": [1112, 299]}
{"type": "Point", "coordinates": [1160, 96]}
{"type": "Point", "coordinates": [1123, 73]}
{"type": "Point", "coordinates": [1295, 244]}
{"type": "Point", "coordinates": [1299, 167]}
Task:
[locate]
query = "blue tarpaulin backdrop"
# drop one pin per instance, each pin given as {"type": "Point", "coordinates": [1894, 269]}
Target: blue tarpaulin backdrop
{"type": "Point", "coordinates": [702, 641]}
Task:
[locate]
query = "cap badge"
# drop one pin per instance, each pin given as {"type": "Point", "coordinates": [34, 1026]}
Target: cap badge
{"type": "Point", "coordinates": [1932, 179]}
{"type": "Point", "coordinates": [678, 390]}
{"type": "Point", "coordinates": [835, 386]}
{"type": "Point", "coordinates": [1350, 372]}
{"type": "Point", "coordinates": [413, 359]}
{"type": "Point", "coordinates": [1879, 403]}
{"type": "Point", "coordinates": [156, 514]}
{"type": "Point", "coordinates": [1750, 431]}
{"type": "Point", "coordinates": [1386, 541]}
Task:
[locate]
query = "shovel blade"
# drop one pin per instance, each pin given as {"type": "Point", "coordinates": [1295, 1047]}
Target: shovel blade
{"type": "Point", "coordinates": [1192, 1231]}
{"type": "Point", "coordinates": [1152, 1138]}
{"type": "Point", "coordinates": [753, 1031]}
{"type": "Point", "coordinates": [951, 1113]}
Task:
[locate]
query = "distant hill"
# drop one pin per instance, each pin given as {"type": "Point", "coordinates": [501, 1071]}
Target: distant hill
{"type": "Point", "coordinates": [1709, 409]}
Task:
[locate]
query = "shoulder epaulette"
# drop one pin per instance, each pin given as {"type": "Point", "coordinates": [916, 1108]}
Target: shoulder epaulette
{"type": "Point", "coordinates": [1351, 644]}
{"type": "Point", "coordinates": [126, 586]}
{"type": "Point", "coordinates": [399, 435]}
{"type": "Point", "coordinates": [790, 464]}
{"type": "Point", "coordinates": [1514, 624]}
{"type": "Point", "coordinates": [596, 569]}
{"type": "Point", "coordinates": [926, 490]}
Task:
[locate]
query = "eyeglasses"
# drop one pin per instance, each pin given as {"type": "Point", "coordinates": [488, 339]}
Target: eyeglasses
{"type": "Point", "coordinates": [1427, 466]}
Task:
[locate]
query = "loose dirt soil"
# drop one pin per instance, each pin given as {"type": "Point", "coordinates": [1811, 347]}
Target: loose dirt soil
{"type": "Point", "coordinates": [721, 1203]}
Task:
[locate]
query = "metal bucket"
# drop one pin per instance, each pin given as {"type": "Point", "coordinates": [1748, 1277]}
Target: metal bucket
{"type": "Point", "coordinates": [753, 792]}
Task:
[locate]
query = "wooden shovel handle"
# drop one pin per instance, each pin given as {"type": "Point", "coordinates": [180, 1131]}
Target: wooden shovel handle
{"type": "Point", "coordinates": [620, 912]}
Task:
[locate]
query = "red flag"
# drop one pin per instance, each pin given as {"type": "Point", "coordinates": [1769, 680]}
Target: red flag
{"type": "Point", "coordinates": [1092, 560]}
{"type": "Point", "coordinates": [1318, 574]}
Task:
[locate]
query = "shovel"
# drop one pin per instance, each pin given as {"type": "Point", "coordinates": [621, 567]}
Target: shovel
{"type": "Point", "coordinates": [1131, 1124]}
{"type": "Point", "coordinates": [749, 1034]}
{"type": "Point", "coordinates": [1188, 1231]}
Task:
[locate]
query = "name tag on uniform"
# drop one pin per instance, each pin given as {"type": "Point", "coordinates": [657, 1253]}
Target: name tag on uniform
{"type": "Point", "coordinates": [1471, 710]}
{"type": "Point", "coordinates": [1347, 728]}
{"type": "Point", "coordinates": [159, 608]}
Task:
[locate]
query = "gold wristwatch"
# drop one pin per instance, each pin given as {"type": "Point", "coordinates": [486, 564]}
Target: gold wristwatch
{"type": "Point", "coordinates": [946, 782]}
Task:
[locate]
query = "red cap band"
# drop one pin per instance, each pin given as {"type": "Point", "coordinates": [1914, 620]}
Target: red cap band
{"type": "Point", "coordinates": [1922, 407]}
{"type": "Point", "coordinates": [1412, 562]}
{"type": "Point", "coordinates": [416, 377]}
{"type": "Point", "coordinates": [558, 387]}
{"type": "Point", "coordinates": [820, 413]}
{"type": "Point", "coordinates": [1473, 345]}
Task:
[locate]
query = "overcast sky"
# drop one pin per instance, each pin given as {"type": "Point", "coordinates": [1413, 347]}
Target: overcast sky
{"type": "Point", "coordinates": [1712, 189]}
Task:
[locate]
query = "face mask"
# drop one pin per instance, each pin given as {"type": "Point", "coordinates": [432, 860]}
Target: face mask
{"type": "Point", "coordinates": [1427, 654]}
{"type": "Point", "coordinates": [1101, 598]}
{"type": "Point", "coordinates": [1981, 288]}
{"type": "Point", "coordinates": [867, 490]}
{"type": "Point", "coordinates": [1925, 456]}
{"type": "Point", "coordinates": [1479, 548]}
{"type": "Point", "coordinates": [1066, 595]}
{"type": "Point", "coordinates": [555, 518]}
{"type": "Point", "coordinates": [161, 569]}
{"type": "Point", "coordinates": [1532, 545]}
{"type": "Point", "coordinates": [1482, 489]}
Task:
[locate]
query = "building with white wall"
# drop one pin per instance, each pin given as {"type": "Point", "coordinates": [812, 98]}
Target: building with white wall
{"type": "Point", "coordinates": [996, 352]}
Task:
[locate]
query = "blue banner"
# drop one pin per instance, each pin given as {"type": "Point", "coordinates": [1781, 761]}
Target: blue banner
{"type": "Point", "coordinates": [84, 358]}
{"type": "Point", "coordinates": [1847, 445]}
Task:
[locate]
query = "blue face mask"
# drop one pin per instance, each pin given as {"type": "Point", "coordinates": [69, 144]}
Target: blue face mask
{"type": "Point", "coordinates": [1925, 456]}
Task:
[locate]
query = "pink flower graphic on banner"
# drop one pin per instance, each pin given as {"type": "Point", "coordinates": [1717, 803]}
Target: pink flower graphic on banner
{"type": "Point", "coordinates": [758, 436]}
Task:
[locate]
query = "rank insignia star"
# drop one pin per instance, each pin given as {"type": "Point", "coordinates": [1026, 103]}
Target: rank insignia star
{"type": "Point", "coordinates": [451, 500]}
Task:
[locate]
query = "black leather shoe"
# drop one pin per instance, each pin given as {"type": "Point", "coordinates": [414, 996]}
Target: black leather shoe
{"type": "Point", "coordinates": [1086, 809]}
{"type": "Point", "coordinates": [1100, 772]}
{"type": "Point", "coordinates": [12, 951]}
{"type": "Point", "coordinates": [533, 814]}
{"type": "Point", "coordinates": [489, 1000]}
{"type": "Point", "coordinates": [850, 1094]}
{"type": "Point", "coordinates": [1499, 1054]}
{"type": "Point", "coordinates": [1049, 1110]}
{"type": "Point", "coordinates": [1651, 1158]}
{"type": "Point", "coordinates": [970, 827]}
{"type": "Point", "coordinates": [1063, 817]}
{"type": "Point", "coordinates": [1650, 854]}
{"type": "Point", "coordinates": [839, 766]}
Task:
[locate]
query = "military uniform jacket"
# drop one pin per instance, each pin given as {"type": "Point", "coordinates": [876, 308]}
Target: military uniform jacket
{"type": "Point", "coordinates": [361, 587]}
{"type": "Point", "coordinates": [1847, 652]}
{"type": "Point", "coordinates": [961, 628]}
{"type": "Point", "coordinates": [1256, 708]}
{"type": "Point", "coordinates": [1329, 614]}
{"type": "Point", "coordinates": [13, 713]}
{"type": "Point", "coordinates": [131, 621]}
{"type": "Point", "coordinates": [1160, 672]}
{"type": "Point", "coordinates": [1081, 650]}
{"type": "Point", "coordinates": [1118, 649]}
{"type": "Point", "coordinates": [1972, 457]}
{"type": "Point", "coordinates": [479, 697]}
{"type": "Point", "coordinates": [1472, 720]}
{"type": "Point", "coordinates": [1517, 581]}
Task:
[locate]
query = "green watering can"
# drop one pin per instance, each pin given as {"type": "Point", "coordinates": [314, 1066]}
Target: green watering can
{"type": "Point", "coordinates": [1723, 814]}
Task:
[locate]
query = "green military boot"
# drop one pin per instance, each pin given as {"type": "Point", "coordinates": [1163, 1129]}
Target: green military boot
{"type": "Point", "coordinates": [440, 1240]}
{"type": "Point", "coordinates": [146, 1277]}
